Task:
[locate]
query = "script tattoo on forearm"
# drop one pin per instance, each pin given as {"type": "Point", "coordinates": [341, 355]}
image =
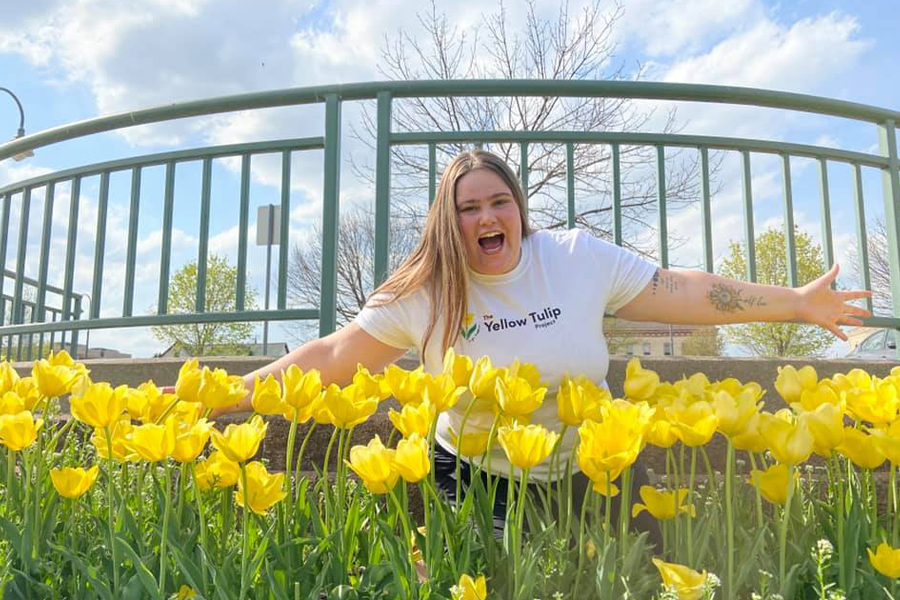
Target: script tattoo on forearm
{"type": "Point", "coordinates": [727, 298]}
{"type": "Point", "coordinates": [668, 283]}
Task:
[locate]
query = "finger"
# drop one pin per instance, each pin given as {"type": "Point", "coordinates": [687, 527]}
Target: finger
{"type": "Point", "coordinates": [837, 332]}
{"type": "Point", "coordinates": [855, 294]}
{"type": "Point", "coordinates": [857, 311]}
{"type": "Point", "coordinates": [850, 321]}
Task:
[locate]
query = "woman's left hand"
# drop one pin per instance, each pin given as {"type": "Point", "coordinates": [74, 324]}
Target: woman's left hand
{"type": "Point", "coordinates": [820, 305]}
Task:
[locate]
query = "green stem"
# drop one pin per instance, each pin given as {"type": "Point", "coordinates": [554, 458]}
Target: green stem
{"type": "Point", "coordinates": [10, 469]}
{"type": "Point", "coordinates": [283, 522]}
{"type": "Point", "coordinates": [520, 523]}
{"type": "Point", "coordinates": [300, 461]}
{"type": "Point", "coordinates": [110, 512]}
{"type": "Point", "coordinates": [581, 550]}
{"type": "Point", "coordinates": [462, 427]}
{"type": "Point", "coordinates": [624, 511]}
{"type": "Point", "coordinates": [839, 509]}
{"type": "Point", "coordinates": [670, 455]}
{"type": "Point", "coordinates": [198, 498]}
{"type": "Point", "coordinates": [245, 538]}
{"type": "Point", "coordinates": [164, 538]}
{"type": "Point", "coordinates": [785, 521]}
{"type": "Point", "coordinates": [182, 491]}
{"type": "Point", "coordinates": [729, 519]}
{"type": "Point", "coordinates": [690, 520]}
{"type": "Point", "coordinates": [326, 487]}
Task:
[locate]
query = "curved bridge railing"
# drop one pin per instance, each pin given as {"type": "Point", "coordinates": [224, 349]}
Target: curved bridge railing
{"type": "Point", "coordinates": [30, 314]}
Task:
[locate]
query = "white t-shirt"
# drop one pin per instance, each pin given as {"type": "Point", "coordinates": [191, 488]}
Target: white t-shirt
{"type": "Point", "coordinates": [547, 311]}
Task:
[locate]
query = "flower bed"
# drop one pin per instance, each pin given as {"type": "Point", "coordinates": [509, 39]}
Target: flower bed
{"type": "Point", "coordinates": [155, 503]}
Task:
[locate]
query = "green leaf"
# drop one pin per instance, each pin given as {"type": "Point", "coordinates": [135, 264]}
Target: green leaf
{"type": "Point", "coordinates": [147, 579]}
{"type": "Point", "coordinates": [100, 584]}
{"type": "Point", "coordinates": [277, 583]}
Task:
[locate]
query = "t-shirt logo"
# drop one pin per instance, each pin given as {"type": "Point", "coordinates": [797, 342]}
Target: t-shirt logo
{"type": "Point", "coordinates": [469, 327]}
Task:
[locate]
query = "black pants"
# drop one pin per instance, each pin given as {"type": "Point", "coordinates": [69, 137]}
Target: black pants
{"type": "Point", "coordinates": [445, 477]}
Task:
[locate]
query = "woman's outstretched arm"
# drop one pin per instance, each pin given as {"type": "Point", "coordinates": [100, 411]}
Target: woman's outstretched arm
{"type": "Point", "coordinates": [700, 298]}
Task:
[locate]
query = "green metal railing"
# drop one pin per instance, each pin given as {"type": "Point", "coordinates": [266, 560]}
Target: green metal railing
{"type": "Point", "coordinates": [384, 93]}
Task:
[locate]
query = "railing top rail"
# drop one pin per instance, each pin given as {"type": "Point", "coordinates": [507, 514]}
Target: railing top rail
{"type": "Point", "coordinates": [476, 87]}
{"type": "Point", "coordinates": [148, 160]}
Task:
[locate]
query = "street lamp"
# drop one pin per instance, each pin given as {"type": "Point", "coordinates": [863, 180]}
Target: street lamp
{"type": "Point", "coordinates": [21, 132]}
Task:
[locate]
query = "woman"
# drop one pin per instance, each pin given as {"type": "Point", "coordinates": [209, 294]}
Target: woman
{"type": "Point", "coordinates": [513, 293]}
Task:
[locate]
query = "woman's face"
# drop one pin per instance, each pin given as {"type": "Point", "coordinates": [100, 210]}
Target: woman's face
{"type": "Point", "coordinates": [489, 222]}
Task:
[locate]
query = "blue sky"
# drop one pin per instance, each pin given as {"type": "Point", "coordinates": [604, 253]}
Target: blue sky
{"type": "Point", "coordinates": [69, 61]}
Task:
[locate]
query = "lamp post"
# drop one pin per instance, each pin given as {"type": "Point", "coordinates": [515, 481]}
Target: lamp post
{"type": "Point", "coordinates": [21, 131]}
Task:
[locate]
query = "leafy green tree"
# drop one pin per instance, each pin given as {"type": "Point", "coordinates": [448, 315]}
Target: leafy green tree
{"type": "Point", "coordinates": [778, 339]}
{"type": "Point", "coordinates": [705, 341]}
{"type": "Point", "coordinates": [200, 339]}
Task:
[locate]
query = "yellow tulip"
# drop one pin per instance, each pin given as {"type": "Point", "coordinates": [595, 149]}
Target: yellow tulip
{"type": "Point", "coordinates": [217, 471]}
{"type": "Point", "coordinates": [471, 444]}
{"type": "Point", "coordinates": [55, 376]}
{"type": "Point", "coordinates": [188, 383]}
{"type": "Point", "coordinates": [266, 399]}
{"type": "Point", "coordinates": [790, 382]}
{"type": "Point", "coordinates": [73, 483]}
{"type": "Point", "coordinates": [687, 583]}
{"type": "Point", "coordinates": [264, 490]}
{"type": "Point", "coordinates": [789, 443]}
{"type": "Point", "coordinates": [100, 406]}
{"type": "Point", "coordinates": [734, 411]}
{"type": "Point", "coordinates": [411, 458]}
{"type": "Point", "coordinates": [877, 404]}
{"type": "Point", "coordinates": [860, 448]}
{"type": "Point", "coordinates": [190, 439]}
{"type": "Point", "coordinates": [19, 431]}
{"type": "Point", "coordinates": [826, 423]}
{"type": "Point", "coordinates": [374, 464]}
{"type": "Point", "coordinates": [895, 372]}
{"type": "Point", "coordinates": [632, 418]}
{"type": "Point", "coordinates": [887, 441]}
{"type": "Point", "coordinates": [11, 403]}
{"type": "Point", "coordinates": [218, 389]}
{"type": "Point", "coordinates": [662, 505]}
{"type": "Point", "coordinates": [9, 377]}
{"type": "Point", "coordinates": [772, 483]}
{"type": "Point", "coordinates": [121, 430]}
{"type": "Point", "coordinates": [604, 447]}
{"type": "Point", "coordinates": [348, 407]}
{"type": "Point", "coordinates": [185, 592]}
{"type": "Point", "coordinates": [147, 403]}
{"type": "Point", "coordinates": [516, 398]}
{"type": "Point", "coordinates": [579, 399]}
{"type": "Point", "coordinates": [458, 367]}
{"type": "Point", "coordinates": [695, 423]}
{"type": "Point", "coordinates": [526, 446]}
{"type": "Point", "coordinates": [640, 383]}
{"type": "Point", "coordinates": [823, 393]}
{"type": "Point", "coordinates": [483, 381]}
{"type": "Point", "coordinates": [153, 442]}
{"type": "Point", "coordinates": [27, 390]}
{"type": "Point", "coordinates": [750, 439]}
{"type": "Point", "coordinates": [886, 560]}
{"type": "Point", "coordinates": [406, 386]}
{"type": "Point", "coordinates": [524, 370]}
{"type": "Point", "coordinates": [855, 379]}
{"type": "Point", "coordinates": [469, 589]}
{"type": "Point", "coordinates": [661, 433]}
{"type": "Point", "coordinates": [414, 419]}
{"type": "Point", "coordinates": [241, 442]}
{"type": "Point", "coordinates": [442, 392]}
{"type": "Point", "coordinates": [694, 386]}
{"type": "Point", "coordinates": [300, 389]}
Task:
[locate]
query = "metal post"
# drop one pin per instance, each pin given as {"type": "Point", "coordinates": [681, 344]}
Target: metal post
{"type": "Point", "coordinates": [268, 276]}
{"type": "Point", "coordinates": [890, 182]}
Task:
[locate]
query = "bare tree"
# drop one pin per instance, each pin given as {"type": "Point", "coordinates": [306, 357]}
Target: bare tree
{"type": "Point", "coordinates": [568, 47]}
{"type": "Point", "coordinates": [355, 264]}
{"type": "Point", "coordinates": [879, 266]}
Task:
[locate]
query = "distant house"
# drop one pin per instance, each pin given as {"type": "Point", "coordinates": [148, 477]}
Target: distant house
{"type": "Point", "coordinates": [646, 338]}
{"type": "Point", "coordinates": [79, 354]}
{"type": "Point", "coordinates": [273, 349]}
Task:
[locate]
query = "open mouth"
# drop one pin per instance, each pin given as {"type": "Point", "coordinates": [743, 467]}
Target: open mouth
{"type": "Point", "coordinates": [492, 242]}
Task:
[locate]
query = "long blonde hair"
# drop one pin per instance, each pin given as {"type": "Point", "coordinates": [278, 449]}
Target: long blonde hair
{"type": "Point", "coordinates": [439, 261]}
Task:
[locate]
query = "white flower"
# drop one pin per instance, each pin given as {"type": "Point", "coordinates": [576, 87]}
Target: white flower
{"type": "Point", "coordinates": [824, 549]}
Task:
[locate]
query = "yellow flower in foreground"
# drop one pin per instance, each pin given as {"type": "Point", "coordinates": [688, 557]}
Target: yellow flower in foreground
{"type": "Point", "coordinates": [790, 443]}
{"type": "Point", "coordinates": [185, 592]}
{"type": "Point", "coordinates": [772, 483]}
{"type": "Point", "coordinates": [886, 560]}
{"type": "Point", "coordinates": [750, 439]}
{"type": "Point", "coordinates": [11, 403]}
{"type": "Point", "coordinates": [190, 440]}
{"type": "Point", "coordinates": [9, 377]}
{"type": "Point", "coordinates": [27, 390]}
{"type": "Point", "coordinates": [604, 485]}
{"type": "Point", "coordinates": [662, 505]}
{"type": "Point", "coordinates": [411, 458]}
{"type": "Point", "coordinates": [442, 392]}
{"type": "Point", "coordinates": [121, 430]}
{"type": "Point", "coordinates": [790, 382]}
{"type": "Point", "coordinates": [860, 448]}
{"type": "Point", "coordinates": [267, 396]}
{"type": "Point", "coordinates": [516, 397]}
{"type": "Point", "coordinates": [241, 442]}
{"type": "Point", "coordinates": [471, 444]}
{"type": "Point", "coordinates": [605, 447]}
{"type": "Point", "coordinates": [73, 483]}
{"type": "Point", "coordinates": [877, 404]}
{"type": "Point", "coordinates": [887, 441]}
{"type": "Point", "coordinates": [640, 383]}
{"type": "Point", "coordinates": [300, 389]}
{"type": "Point", "coordinates": [406, 386]}
{"type": "Point", "coordinates": [217, 471]}
{"type": "Point", "coordinates": [826, 423]}
{"type": "Point", "coordinates": [483, 381]}
{"type": "Point", "coordinates": [348, 407]}
{"type": "Point", "coordinates": [263, 489]}
{"type": "Point", "coordinates": [188, 382]}
{"type": "Point", "coordinates": [694, 424]}
{"type": "Point", "coordinates": [689, 584]}
{"type": "Point", "coordinates": [734, 411]}
{"type": "Point", "coordinates": [218, 389]}
{"type": "Point", "coordinates": [19, 431]}
{"type": "Point", "coordinates": [56, 374]}
{"type": "Point", "coordinates": [458, 367]}
{"type": "Point", "coordinates": [579, 399]}
{"type": "Point", "coordinates": [414, 419]}
{"type": "Point", "coordinates": [527, 446]}
{"type": "Point", "coordinates": [153, 442]}
{"type": "Point", "coordinates": [100, 406]}
{"type": "Point", "coordinates": [375, 466]}
{"type": "Point", "coordinates": [469, 589]}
